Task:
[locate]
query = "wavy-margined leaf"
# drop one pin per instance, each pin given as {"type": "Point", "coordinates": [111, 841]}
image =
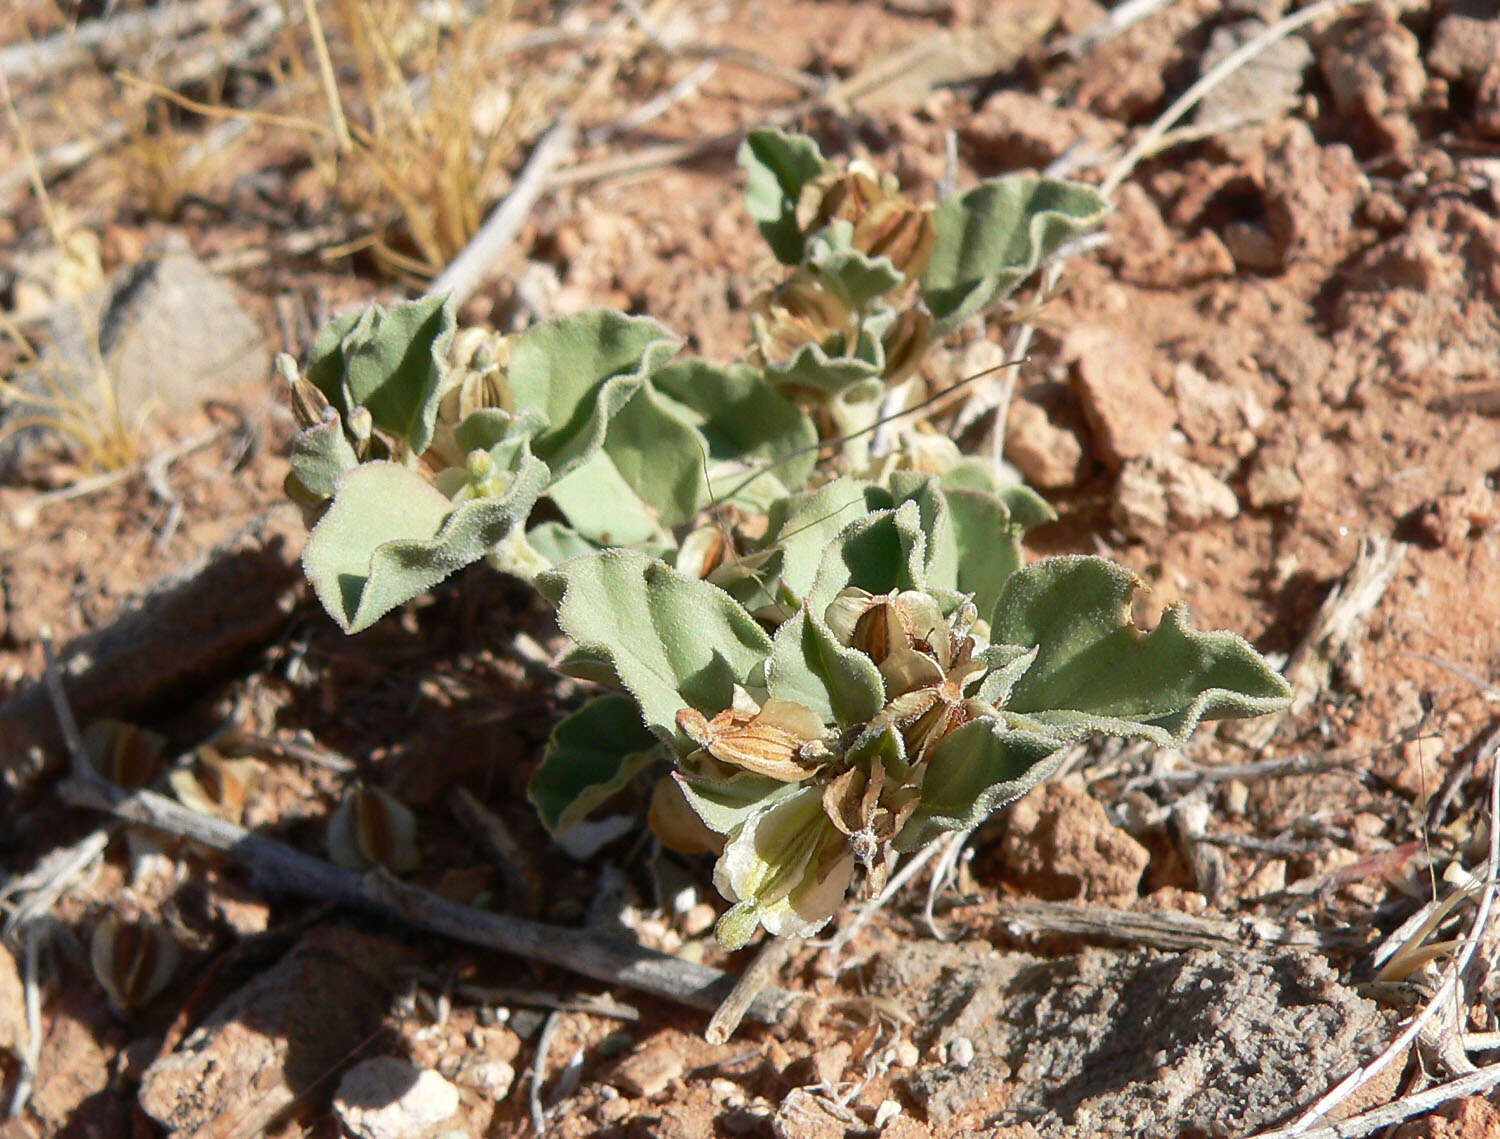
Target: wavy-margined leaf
{"type": "Point", "coordinates": [809, 667]}
{"type": "Point", "coordinates": [883, 551]}
{"type": "Point", "coordinates": [975, 769]}
{"type": "Point", "coordinates": [854, 277]}
{"type": "Point", "coordinates": [673, 641]}
{"type": "Point", "coordinates": [746, 426]}
{"type": "Point", "coordinates": [994, 236]}
{"type": "Point", "coordinates": [777, 165]}
{"type": "Point", "coordinates": [1095, 672]}
{"type": "Point", "coordinates": [392, 362]}
{"type": "Point", "coordinates": [321, 453]}
{"type": "Point", "coordinates": [822, 373]}
{"type": "Point", "coordinates": [579, 371]}
{"type": "Point", "coordinates": [391, 535]}
{"type": "Point", "coordinates": [590, 756]}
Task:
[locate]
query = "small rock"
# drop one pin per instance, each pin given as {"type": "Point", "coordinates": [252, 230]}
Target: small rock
{"type": "Point", "coordinates": [649, 1071]}
{"type": "Point", "coordinates": [907, 1054]}
{"type": "Point", "coordinates": [829, 1063]}
{"type": "Point", "coordinates": [806, 1115]}
{"type": "Point", "coordinates": [1060, 845]}
{"type": "Point", "coordinates": [490, 1078]}
{"type": "Point", "coordinates": [1465, 43]}
{"type": "Point", "coordinates": [699, 920]}
{"type": "Point", "coordinates": [1212, 411]}
{"type": "Point", "coordinates": [1273, 481]}
{"type": "Point", "coordinates": [887, 1111]}
{"type": "Point", "coordinates": [1164, 489]}
{"type": "Point", "coordinates": [1016, 130]}
{"type": "Point", "coordinates": [13, 1032]}
{"type": "Point", "coordinates": [1373, 66]}
{"type": "Point", "coordinates": [1048, 456]}
{"type": "Point", "coordinates": [1151, 253]}
{"type": "Point", "coordinates": [960, 1051]}
{"type": "Point", "coordinates": [1126, 412]}
{"type": "Point", "coordinates": [388, 1098]}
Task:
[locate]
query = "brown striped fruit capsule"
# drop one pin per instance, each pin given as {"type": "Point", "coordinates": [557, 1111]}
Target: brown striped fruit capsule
{"type": "Point", "coordinates": [124, 754]}
{"type": "Point", "coordinates": [132, 960]}
{"type": "Point", "coordinates": [373, 828]}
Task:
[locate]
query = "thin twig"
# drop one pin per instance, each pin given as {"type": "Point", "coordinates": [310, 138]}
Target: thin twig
{"type": "Point", "coordinates": [109, 37]}
{"type": "Point", "coordinates": [909, 870]}
{"type": "Point", "coordinates": [25, 515]}
{"type": "Point", "coordinates": [756, 978]}
{"type": "Point", "coordinates": [654, 107]}
{"type": "Point", "coordinates": [468, 270]}
{"type": "Point", "coordinates": [51, 880]}
{"type": "Point", "coordinates": [611, 960]}
{"type": "Point", "coordinates": [1174, 932]}
{"type": "Point", "coordinates": [31, 1057]}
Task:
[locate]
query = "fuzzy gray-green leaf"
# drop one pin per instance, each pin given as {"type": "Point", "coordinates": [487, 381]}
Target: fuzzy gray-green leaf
{"type": "Point", "coordinates": [391, 535]}
{"type": "Point", "coordinates": [810, 668]}
{"type": "Point", "coordinates": [321, 453]}
{"type": "Point", "coordinates": [777, 165]}
{"type": "Point", "coordinates": [1095, 672]}
{"type": "Point", "coordinates": [590, 756]}
{"type": "Point", "coordinates": [882, 551]}
{"type": "Point", "coordinates": [976, 768]}
{"type": "Point", "coordinates": [579, 371]}
{"type": "Point", "coordinates": [391, 362]}
{"type": "Point", "coordinates": [674, 642]}
{"type": "Point", "coordinates": [994, 236]}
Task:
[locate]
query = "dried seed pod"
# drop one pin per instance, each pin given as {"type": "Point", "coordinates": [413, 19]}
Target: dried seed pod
{"type": "Point", "coordinates": [905, 344]}
{"type": "Point", "coordinates": [900, 230]}
{"type": "Point", "coordinates": [782, 740]}
{"type": "Point", "coordinates": [124, 754]}
{"type": "Point", "coordinates": [373, 828]}
{"type": "Point", "coordinates": [703, 551]}
{"type": "Point", "coordinates": [839, 195]}
{"type": "Point", "coordinates": [309, 404]}
{"type": "Point", "coordinates": [133, 961]}
{"type": "Point", "coordinates": [801, 311]}
{"type": "Point", "coordinates": [215, 785]}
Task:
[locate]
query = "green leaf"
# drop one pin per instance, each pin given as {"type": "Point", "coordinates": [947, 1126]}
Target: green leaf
{"type": "Point", "coordinates": [810, 668]}
{"type": "Point", "coordinates": [975, 769]}
{"type": "Point", "coordinates": [579, 371]}
{"type": "Point", "coordinates": [801, 527]}
{"type": "Point", "coordinates": [992, 238]}
{"type": "Point", "coordinates": [777, 165]}
{"type": "Point", "coordinates": [1007, 664]}
{"type": "Point", "coordinates": [674, 642]}
{"type": "Point", "coordinates": [723, 803]}
{"type": "Point", "coordinates": [825, 375]}
{"type": "Point", "coordinates": [747, 426]}
{"type": "Point", "coordinates": [988, 542]}
{"type": "Point", "coordinates": [321, 453]}
{"type": "Point", "coordinates": [856, 278]}
{"type": "Point", "coordinates": [880, 552]}
{"type": "Point", "coordinates": [390, 362]}
{"type": "Point", "coordinates": [391, 535]}
{"type": "Point", "coordinates": [557, 542]}
{"type": "Point", "coordinates": [590, 756]}
{"type": "Point", "coordinates": [1095, 672]}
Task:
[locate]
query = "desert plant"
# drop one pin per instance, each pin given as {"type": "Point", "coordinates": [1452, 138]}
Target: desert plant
{"type": "Point", "coordinates": [845, 658]}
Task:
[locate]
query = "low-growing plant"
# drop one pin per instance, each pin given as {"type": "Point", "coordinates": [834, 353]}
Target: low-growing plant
{"type": "Point", "coordinates": [826, 656]}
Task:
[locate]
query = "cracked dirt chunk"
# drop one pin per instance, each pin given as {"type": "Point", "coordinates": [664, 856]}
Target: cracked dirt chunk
{"type": "Point", "coordinates": [1165, 489]}
{"type": "Point", "coordinates": [1374, 68]}
{"type": "Point", "coordinates": [1061, 845]}
{"type": "Point", "coordinates": [1126, 412]}
{"type": "Point", "coordinates": [1266, 85]}
{"type": "Point", "coordinates": [1466, 42]}
{"type": "Point", "coordinates": [1135, 1043]}
{"type": "Point", "coordinates": [1311, 193]}
{"type": "Point", "coordinates": [277, 1037]}
{"type": "Point", "coordinates": [807, 1115]}
{"type": "Point", "coordinates": [1016, 130]}
{"type": "Point", "coordinates": [1049, 456]}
